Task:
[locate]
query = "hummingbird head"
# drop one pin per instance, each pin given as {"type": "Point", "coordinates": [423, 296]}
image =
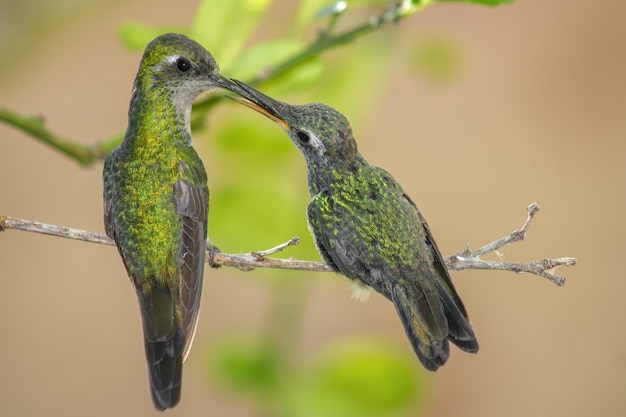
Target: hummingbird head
{"type": "Point", "coordinates": [321, 133]}
{"type": "Point", "coordinates": [178, 67]}
{"type": "Point", "coordinates": [175, 61]}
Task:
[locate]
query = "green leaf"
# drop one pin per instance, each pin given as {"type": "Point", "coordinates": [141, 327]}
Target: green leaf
{"type": "Point", "coordinates": [485, 2]}
{"type": "Point", "coordinates": [268, 55]}
{"type": "Point", "coordinates": [359, 378]}
{"type": "Point", "coordinates": [135, 36]}
{"type": "Point", "coordinates": [263, 56]}
{"type": "Point", "coordinates": [299, 78]}
{"type": "Point", "coordinates": [349, 83]}
{"type": "Point", "coordinates": [244, 365]}
{"type": "Point", "coordinates": [224, 27]}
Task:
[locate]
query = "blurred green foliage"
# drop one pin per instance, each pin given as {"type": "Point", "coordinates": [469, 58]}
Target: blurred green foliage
{"type": "Point", "coordinates": [259, 193]}
{"type": "Point", "coordinates": [245, 366]}
{"type": "Point", "coordinates": [355, 377]}
{"type": "Point", "coordinates": [485, 2]}
{"type": "Point", "coordinates": [358, 377]}
{"type": "Point", "coordinates": [437, 60]}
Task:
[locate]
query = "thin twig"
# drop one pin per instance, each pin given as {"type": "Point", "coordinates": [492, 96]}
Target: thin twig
{"type": "Point", "coordinates": [7, 222]}
{"type": "Point", "coordinates": [326, 40]}
{"type": "Point", "coordinates": [465, 259]}
{"type": "Point", "coordinates": [515, 236]}
{"type": "Point", "coordinates": [35, 126]}
{"type": "Point", "coordinates": [264, 253]}
{"type": "Point", "coordinates": [248, 262]}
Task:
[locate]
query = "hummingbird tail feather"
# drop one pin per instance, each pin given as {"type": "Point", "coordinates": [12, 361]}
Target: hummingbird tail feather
{"type": "Point", "coordinates": [424, 322]}
{"type": "Point", "coordinates": [461, 332]}
{"type": "Point", "coordinates": [430, 318]}
{"type": "Point", "coordinates": [165, 363]}
{"type": "Point", "coordinates": [164, 341]}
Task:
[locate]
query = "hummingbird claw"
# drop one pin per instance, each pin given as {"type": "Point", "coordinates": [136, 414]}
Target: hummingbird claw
{"type": "Point", "coordinates": [213, 250]}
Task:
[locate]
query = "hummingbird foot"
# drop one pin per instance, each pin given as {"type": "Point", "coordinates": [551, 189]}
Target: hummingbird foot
{"type": "Point", "coordinates": [213, 250]}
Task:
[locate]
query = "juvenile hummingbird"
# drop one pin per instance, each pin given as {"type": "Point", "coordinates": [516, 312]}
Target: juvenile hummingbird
{"type": "Point", "coordinates": [156, 203]}
{"type": "Point", "coordinates": [367, 228]}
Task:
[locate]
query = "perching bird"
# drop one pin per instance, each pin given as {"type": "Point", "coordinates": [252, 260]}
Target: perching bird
{"type": "Point", "coordinates": [366, 227]}
{"type": "Point", "coordinates": [156, 203]}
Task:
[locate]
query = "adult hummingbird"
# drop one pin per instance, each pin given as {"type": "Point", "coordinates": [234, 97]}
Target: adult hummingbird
{"type": "Point", "coordinates": [367, 228]}
{"type": "Point", "coordinates": [156, 203]}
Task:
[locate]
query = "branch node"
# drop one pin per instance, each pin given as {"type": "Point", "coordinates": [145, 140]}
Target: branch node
{"type": "Point", "coordinates": [466, 252]}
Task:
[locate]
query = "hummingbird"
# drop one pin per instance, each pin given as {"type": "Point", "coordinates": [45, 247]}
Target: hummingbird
{"type": "Point", "coordinates": [156, 203]}
{"type": "Point", "coordinates": [367, 228]}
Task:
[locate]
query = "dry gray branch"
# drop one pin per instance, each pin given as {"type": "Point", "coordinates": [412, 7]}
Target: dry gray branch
{"type": "Point", "coordinates": [465, 259]}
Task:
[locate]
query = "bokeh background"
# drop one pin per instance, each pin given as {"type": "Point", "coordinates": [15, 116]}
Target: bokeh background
{"type": "Point", "coordinates": [531, 110]}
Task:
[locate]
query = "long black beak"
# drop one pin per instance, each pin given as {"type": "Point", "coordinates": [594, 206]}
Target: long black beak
{"type": "Point", "coordinates": [258, 101]}
{"type": "Point", "coordinates": [220, 81]}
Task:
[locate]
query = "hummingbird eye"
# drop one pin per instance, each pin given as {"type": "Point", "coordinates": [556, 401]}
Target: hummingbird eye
{"type": "Point", "coordinates": [183, 64]}
{"type": "Point", "coordinates": [303, 137]}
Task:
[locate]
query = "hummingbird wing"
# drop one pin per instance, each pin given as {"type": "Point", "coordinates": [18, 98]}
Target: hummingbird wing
{"type": "Point", "coordinates": [461, 332]}
{"type": "Point", "coordinates": [424, 322]}
{"type": "Point", "coordinates": [191, 197]}
{"type": "Point", "coordinates": [332, 250]}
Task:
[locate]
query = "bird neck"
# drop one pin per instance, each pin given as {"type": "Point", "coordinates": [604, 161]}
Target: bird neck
{"type": "Point", "coordinates": [322, 176]}
{"type": "Point", "coordinates": [157, 115]}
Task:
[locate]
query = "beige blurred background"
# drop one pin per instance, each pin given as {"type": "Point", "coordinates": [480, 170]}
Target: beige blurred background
{"type": "Point", "coordinates": [537, 115]}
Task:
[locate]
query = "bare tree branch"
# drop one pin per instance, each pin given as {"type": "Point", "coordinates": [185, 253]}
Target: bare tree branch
{"type": "Point", "coordinates": [465, 259]}
{"type": "Point", "coordinates": [35, 126]}
{"type": "Point", "coordinates": [15, 223]}
{"type": "Point", "coordinates": [514, 236]}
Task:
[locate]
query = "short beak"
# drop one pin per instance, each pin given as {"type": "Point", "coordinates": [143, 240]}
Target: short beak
{"type": "Point", "coordinates": [258, 101]}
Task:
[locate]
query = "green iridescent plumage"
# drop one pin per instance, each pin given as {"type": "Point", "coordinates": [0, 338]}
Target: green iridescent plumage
{"type": "Point", "coordinates": [156, 203]}
{"type": "Point", "coordinates": [367, 228]}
